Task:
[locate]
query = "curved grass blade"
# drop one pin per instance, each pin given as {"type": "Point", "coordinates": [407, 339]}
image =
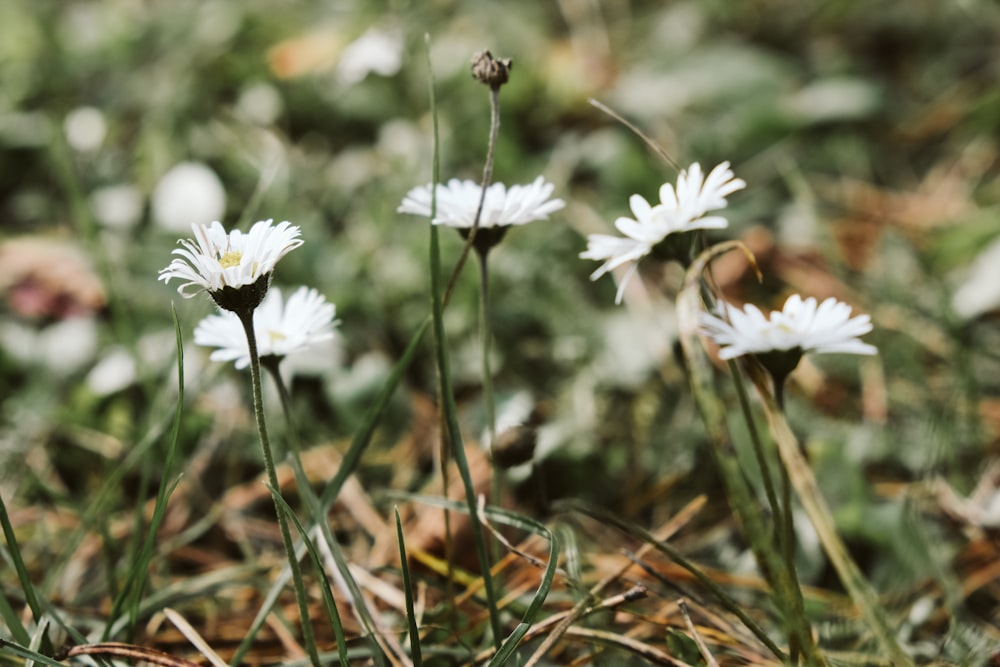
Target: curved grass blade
{"type": "Point", "coordinates": [411, 616]}
{"type": "Point", "coordinates": [674, 555]}
{"type": "Point", "coordinates": [362, 438]}
{"type": "Point", "coordinates": [324, 585]}
{"type": "Point", "coordinates": [28, 654]}
{"type": "Point", "coordinates": [512, 641]}
{"type": "Point", "coordinates": [812, 500]}
{"type": "Point", "coordinates": [7, 612]}
{"type": "Point", "coordinates": [450, 411]}
{"type": "Point", "coordinates": [742, 500]}
{"type": "Point", "coordinates": [131, 594]}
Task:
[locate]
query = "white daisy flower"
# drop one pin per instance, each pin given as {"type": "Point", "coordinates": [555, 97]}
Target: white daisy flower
{"type": "Point", "coordinates": [217, 260]}
{"type": "Point", "coordinates": [458, 201]}
{"type": "Point", "coordinates": [801, 325]}
{"type": "Point", "coordinates": [281, 327]}
{"type": "Point", "coordinates": [680, 210]}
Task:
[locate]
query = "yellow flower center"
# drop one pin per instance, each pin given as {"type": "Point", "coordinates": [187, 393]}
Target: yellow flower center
{"type": "Point", "coordinates": [230, 259]}
{"type": "Point", "coordinates": [275, 336]}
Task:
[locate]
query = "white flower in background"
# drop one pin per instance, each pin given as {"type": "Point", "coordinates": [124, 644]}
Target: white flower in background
{"type": "Point", "coordinates": [216, 260]}
{"type": "Point", "coordinates": [117, 206]}
{"type": "Point", "coordinates": [62, 348]}
{"type": "Point", "coordinates": [260, 103]}
{"type": "Point", "coordinates": [801, 325]}
{"type": "Point", "coordinates": [85, 129]}
{"type": "Point", "coordinates": [378, 51]}
{"type": "Point", "coordinates": [458, 201]}
{"type": "Point", "coordinates": [979, 290]}
{"type": "Point", "coordinates": [281, 327]}
{"type": "Point", "coordinates": [680, 210]}
{"type": "Point", "coordinates": [190, 191]}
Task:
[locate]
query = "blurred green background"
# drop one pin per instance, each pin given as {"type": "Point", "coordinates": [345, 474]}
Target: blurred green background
{"type": "Point", "coordinates": [866, 131]}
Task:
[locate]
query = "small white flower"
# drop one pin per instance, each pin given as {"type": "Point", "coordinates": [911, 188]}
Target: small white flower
{"type": "Point", "coordinates": [216, 259]}
{"type": "Point", "coordinates": [189, 191]}
{"type": "Point", "coordinates": [378, 51]}
{"type": "Point", "coordinates": [458, 200]}
{"type": "Point", "coordinates": [281, 328]}
{"type": "Point", "coordinates": [85, 129]}
{"type": "Point", "coordinates": [801, 324]}
{"type": "Point", "coordinates": [117, 206]}
{"type": "Point", "coordinates": [680, 210]}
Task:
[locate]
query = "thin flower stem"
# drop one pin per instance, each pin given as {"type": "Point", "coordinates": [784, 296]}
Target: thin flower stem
{"type": "Point", "coordinates": [758, 447]}
{"type": "Point", "coordinates": [782, 512]}
{"type": "Point", "coordinates": [451, 432]}
{"type": "Point", "coordinates": [246, 318]}
{"type": "Point", "coordinates": [487, 178]}
{"type": "Point", "coordinates": [787, 523]}
{"type": "Point", "coordinates": [489, 401]}
{"type": "Point", "coordinates": [272, 363]}
{"type": "Point", "coordinates": [814, 504]}
{"type": "Point", "coordinates": [740, 495]}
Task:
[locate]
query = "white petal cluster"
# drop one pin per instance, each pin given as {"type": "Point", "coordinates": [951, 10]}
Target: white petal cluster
{"type": "Point", "coordinates": [800, 324]}
{"type": "Point", "coordinates": [282, 328]}
{"type": "Point", "coordinates": [457, 202]}
{"type": "Point", "coordinates": [681, 209]}
{"type": "Point", "coordinates": [216, 259]}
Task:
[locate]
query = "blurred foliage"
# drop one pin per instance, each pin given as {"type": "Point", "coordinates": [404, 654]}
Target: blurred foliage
{"type": "Point", "coordinates": [867, 133]}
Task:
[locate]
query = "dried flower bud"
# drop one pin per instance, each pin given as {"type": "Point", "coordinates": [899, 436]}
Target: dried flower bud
{"type": "Point", "coordinates": [514, 446]}
{"type": "Point", "coordinates": [494, 72]}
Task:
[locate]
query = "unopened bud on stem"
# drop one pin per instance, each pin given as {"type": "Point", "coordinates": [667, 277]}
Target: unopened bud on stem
{"type": "Point", "coordinates": [494, 72]}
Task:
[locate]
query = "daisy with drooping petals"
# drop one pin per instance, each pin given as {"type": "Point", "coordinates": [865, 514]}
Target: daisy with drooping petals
{"type": "Point", "coordinates": [458, 201]}
{"type": "Point", "coordinates": [503, 207]}
{"type": "Point", "coordinates": [801, 324]}
{"type": "Point", "coordinates": [779, 340]}
{"type": "Point", "coordinates": [681, 209]}
{"type": "Point", "coordinates": [233, 268]}
{"type": "Point", "coordinates": [281, 327]}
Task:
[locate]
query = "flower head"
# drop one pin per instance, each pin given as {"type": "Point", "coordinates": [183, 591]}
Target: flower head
{"type": "Point", "coordinates": [458, 201]}
{"type": "Point", "coordinates": [801, 325]}
{"type": "Point", "coordinates": [233, 268]}
{"type": "Point", "coordinates": [681, 209]}
{"type": "Point", "coordinates": [281, 327]}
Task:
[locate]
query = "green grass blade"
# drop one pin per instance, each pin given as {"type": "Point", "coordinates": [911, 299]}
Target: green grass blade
{"type": "Point", "coordinates": [742, 500]}
{"type": "Point", "coordinates": [267, 604]}
{"type": "Point", "coordinates": [450, 411]}
{"type": "Point", "coordinates": [363, 436]}
{"type": "Point", "coordinates": [804, 483]}
{"type": "Point", "coordinates": [360, 606]}
{"type": "Point", "coordinates": [511, 643]}
{"type": "Point", "coordinates": [131, 594]}
{"type": "Point", "coordinates": [328, 600]}
{"type": "Point", "coordinates": [411, 616]}
{"type": "Point", "coordinates": [508, 518]}
{"type": "Point", "coordinates": [28, 654]}
{"type": "Point", "coordinates": [645, 536]}
{"type": "Point", "coordinates": [7, 612]}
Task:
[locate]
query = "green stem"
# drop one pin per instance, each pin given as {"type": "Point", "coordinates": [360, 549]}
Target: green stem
{"type": "Point", "coordinates": [489, 401]}
{"type": "Point", "coordinates": [272, 364]}
{"type": "Point", "coordinates": [246, 318]}
{"type": "Point", "coordinates": [439, 298]}
{"type": "Point", "coordinates": [741, 497]}
{"type": "Point", "coordinates": [449, 410]}
{"type": "Point", "coordinates": [814, 504]}
{"type": "Point", "coordinates": [758, 447]}
{"type": "Point", "coordinates": [484, 184]}
{"type": "Point", "coordinates": [787, 517]}
{"type": "Point", "coordinates": [782, 512]}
